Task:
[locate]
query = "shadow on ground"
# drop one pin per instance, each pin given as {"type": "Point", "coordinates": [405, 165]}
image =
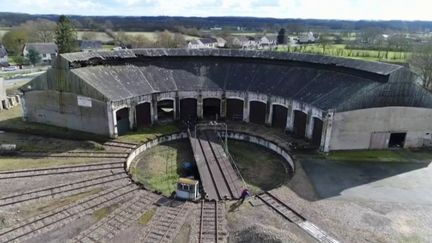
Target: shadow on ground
{"type": "Point", "coordinates": [334, 178]}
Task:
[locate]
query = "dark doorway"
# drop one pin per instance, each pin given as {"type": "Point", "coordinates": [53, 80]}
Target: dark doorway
{"type": "Point", "coordinates": [123, 124]}
{"type": "Point", "coordinates": [279, 117]}
{"type": "Point", "coordinates": [397, 140]}
{"type": "Point", "coordinates": [143, 115]}
{"type": "Point", "coordinates": [317, 131]}
{"type": "Point", "coordinates": [257, 112]}
{"type": "Point", "coordinates": [300, 119]}
{"type": "Point", "coordinates": [211, 108]}
{"type": "Point", "coordinates": [165, 110]}
{"type": "Point", "coordinates": [188, 109]}
{"type": "Point", "coordinates": [235, 109]}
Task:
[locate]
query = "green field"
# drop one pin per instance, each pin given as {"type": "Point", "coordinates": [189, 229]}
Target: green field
{"type": "Point", "coordinates": [341, 51]}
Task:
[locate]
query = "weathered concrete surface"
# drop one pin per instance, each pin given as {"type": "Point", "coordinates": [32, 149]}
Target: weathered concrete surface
{"type": "Point", "coordinates": [62, 109]}
{"type": "Point", "coordinates": [353, 129]}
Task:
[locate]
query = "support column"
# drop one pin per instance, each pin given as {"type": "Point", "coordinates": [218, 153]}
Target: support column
{"type": "Point", "coordinates": [200, 111]}
{"type": "Point", "coordinates": [177, 107]}
{"type": "Point", "coordinates": [269, 112]}
{"type": "Point", "coordinates": [132, 117]}
{"type": "Point", "coordinates": [309, 125]}
{"type": "Point", "coordinates": [327, 131]}
{"type": "Point", "coordinates": [112, 121]}
{"type": "Point", "coordinates": [23, 107]}
{"type": "Point", "coordinates": [246, 109]}
{"type": "Point", "coordinates": [290, 117]}
{"type": "Point", "coordinates": [154, 108]}
{"type": "Point", "coordinates": [223, 106]}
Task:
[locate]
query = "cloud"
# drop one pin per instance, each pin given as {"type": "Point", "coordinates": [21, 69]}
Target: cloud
{"type": "Point", "coordinates": [330, 9]}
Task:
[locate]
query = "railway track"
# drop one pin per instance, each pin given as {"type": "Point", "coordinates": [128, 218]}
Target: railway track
{"type": "Point", "coordinates": [220, 181]}
{"type": "Point", "coordinates": [231, 178]}
{"type": "Point", "coordinates": [61, 170]}
{"type": "Point", "coordinates": [291, 215]}
{"type": "Point", "coordinates": [59, 217]}
{"type": "Point", "coordinates": [124, 145]}
{"type": "Point", "coordinates": [211, 222]}
{"type": "Point", "coordinates": [166, 223]}
{"type": "Point", "coordinates": [75, 154]}
{"type": "Point", "coordinates": [62, 190]}
{"type": "Point", "coordinates": [119, 219]}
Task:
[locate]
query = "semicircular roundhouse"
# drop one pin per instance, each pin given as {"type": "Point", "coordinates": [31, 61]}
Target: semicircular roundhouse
{"type": "Point", "coordinates": [335, 103]}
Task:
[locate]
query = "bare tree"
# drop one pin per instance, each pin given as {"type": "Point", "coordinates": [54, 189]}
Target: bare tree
{"type": "Point", "coordinates": [371, 34]}
{"type": "Point", "coordinates": [421, 63]}
{"type": "Point", "coordinates": [324, 41]}
{"type": "Point", "coordinates": [139, 41]}
{"type": "Point", "coordinates": [40, 30]}
{"type": "Point", "coordinates": [167, 39]}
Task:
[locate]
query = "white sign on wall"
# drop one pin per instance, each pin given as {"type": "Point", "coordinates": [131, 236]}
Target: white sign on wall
{"type": "Point", "coordinates": [84, 101]}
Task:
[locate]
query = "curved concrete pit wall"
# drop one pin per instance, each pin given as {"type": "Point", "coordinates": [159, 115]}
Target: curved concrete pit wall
{"type": "Point", "coordinates": [262, 142]}
{"type": "Point", "coordinates": [231, 135]}
{"type": "Point", "coordinates": [152, 143]}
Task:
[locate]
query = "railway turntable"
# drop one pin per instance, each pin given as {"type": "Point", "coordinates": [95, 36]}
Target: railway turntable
{"type": "Point", "coordinates": [220, 178]}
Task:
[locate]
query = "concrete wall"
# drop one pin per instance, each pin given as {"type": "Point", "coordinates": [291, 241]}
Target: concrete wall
{"type": "Point", "coordinates": [62, 109]}
{"type": "Point", "coordinates": [353, 129]}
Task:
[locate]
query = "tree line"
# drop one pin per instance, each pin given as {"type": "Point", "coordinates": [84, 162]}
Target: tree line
{"type": "Point", "coordinates": [160, 23]}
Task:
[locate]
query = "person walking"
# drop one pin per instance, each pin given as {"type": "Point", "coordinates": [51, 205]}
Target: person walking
{"type": "Point", "coordinates": [245, 193]}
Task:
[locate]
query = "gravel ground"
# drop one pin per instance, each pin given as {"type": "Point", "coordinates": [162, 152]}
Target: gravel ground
{"type": "Point", "coordinates": [22, 185]}
{"type": "Point", "coordinates": [63, 234]}
{"type": "Point", "coordinates": [376, 211]}
{"type": "Point", "coordinates": [260, 224]}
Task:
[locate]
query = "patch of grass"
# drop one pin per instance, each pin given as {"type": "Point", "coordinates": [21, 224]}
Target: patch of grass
{"type": "Point", "coordinates": [18, 163]}
{"type": "Point", "coordinates": [26, 142]}
{"type": "Point", "coordinates": [147, 216]}
{"type": "Point", "coordinates": [411, 239]}
{"type": "Point", "coordinates": [105, 211]}
{"type": "Point", "coordinates": [261, 168]}
{"type": "Point", "coordinates": [148, 133]}
{"type": "Point", "coordinates": [159, 168]}
{"type": "Point", "coordinates": [380, 155]}
{"type": "Point", "coordinates": [38, 208]}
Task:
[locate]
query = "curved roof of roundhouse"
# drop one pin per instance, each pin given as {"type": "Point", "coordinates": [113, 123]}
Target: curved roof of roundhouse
{"type": "Point", "coordinates": [325, 82]}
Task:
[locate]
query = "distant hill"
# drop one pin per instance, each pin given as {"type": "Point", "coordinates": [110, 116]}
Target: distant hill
{"type": "Point", "coordinates": [146, 23]}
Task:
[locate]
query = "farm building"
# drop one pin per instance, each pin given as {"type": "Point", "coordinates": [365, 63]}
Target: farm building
{"type": "Point", "coordinates": [46, 51]}
{"type": "Point", "coordinates": [335, 103]}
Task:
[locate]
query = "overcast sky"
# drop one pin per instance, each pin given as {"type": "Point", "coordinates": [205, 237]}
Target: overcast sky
{"type": "Point", "coordinates": [318, 9]}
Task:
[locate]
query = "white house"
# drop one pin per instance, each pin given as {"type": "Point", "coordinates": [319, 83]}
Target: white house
{"type": "Point", "coordinates": [203, 43]}
{"type": "Point", "coordinates": [221, 42]}
{"type": "Point", "coordinates": [268, 41]}
{"type": "Point", "coordinates": [3, 56]}
{"type": "Point", "coordinates": [245, 42]}
{"type": "Point", "coordinates": [307, 38]}
{"type": "Point", "coordinates": [47, 51]}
